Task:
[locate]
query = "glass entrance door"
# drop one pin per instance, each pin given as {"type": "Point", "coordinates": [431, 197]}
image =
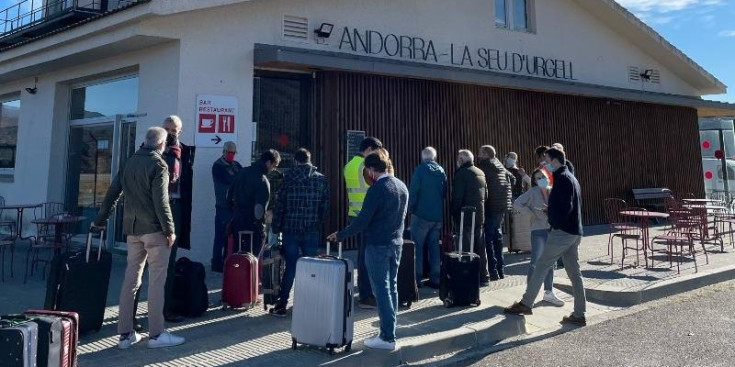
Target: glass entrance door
{"type": "Point", "coordinates": [96, 151]}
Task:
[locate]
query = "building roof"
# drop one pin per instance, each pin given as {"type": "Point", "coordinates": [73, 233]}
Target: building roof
{"type": "Point", "coordinates": [647, 39]}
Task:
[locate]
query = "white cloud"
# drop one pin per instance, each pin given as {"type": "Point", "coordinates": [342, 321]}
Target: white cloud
{"type": "Point", "coordinates": [665, 6]}
{"type": "Point", "coordinates": [727, 33]}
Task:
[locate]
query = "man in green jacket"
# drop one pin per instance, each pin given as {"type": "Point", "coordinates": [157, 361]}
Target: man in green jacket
{"type": "Point", "coordinates": [149, 227]}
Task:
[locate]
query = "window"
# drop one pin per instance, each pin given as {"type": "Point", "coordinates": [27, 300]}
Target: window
{"type": "Point", "coordinates": [513, 14]}
{"type": "Point", "coordinates": [108, 98]}
{"type": "Point", "coordinates": [8, 135]}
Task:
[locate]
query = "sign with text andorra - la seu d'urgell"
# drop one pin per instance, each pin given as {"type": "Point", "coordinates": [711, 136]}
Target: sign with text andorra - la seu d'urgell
{"type": "Point", "coordinates": [413, 48]}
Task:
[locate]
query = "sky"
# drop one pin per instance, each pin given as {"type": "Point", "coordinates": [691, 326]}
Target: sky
{"type": "Point", "coordinates": [702, 29]}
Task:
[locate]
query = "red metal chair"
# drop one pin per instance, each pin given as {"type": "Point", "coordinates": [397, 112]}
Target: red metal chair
{"type": "Point", "coordinates": [617, 222]}
{"type": "Point", "coordinates": [681, 235]}
{"type": "Point", "coordinates": [631, 231]}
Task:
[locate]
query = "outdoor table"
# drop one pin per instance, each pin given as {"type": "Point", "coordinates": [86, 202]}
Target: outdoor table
{"type": "Point", "coordinates": [702, 209]}
{"type": "Point", "coordinates": [644, 216]}
{"type": "Point", "coordinates": [59, 221]}
{"type": "Point", "coordinates": [19, 217]}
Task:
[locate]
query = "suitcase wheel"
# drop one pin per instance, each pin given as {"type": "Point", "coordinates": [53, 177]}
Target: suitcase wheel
{"type": "Point", "coordinates": [348, 347]}
{"type": "Point", "coordinates": [477, 303]}
{"type": "Point", "coordinates": [293, 343]}
{"type": "Point", "coordinates": [408, 304]}
{"type": "Point", "coordinates": [447, 303]}
{"type": "Point", "coordinates": [224, 306]}
{"type": "Point", "coordinates": [331, 351]}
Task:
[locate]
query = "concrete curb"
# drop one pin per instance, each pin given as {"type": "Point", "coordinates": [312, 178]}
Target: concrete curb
{"type": "Point", "coordinates": [417, 349]}
{"type": "Point", "coordinates": [621, 297]}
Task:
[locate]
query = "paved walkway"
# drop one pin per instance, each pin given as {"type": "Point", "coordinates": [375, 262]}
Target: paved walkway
{"type": "Point", "coordinates": [253, 338]}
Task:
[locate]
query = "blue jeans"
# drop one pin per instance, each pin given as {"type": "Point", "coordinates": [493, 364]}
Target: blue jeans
{"type": "Point", "coordinates": [382, 265]}
{"type": "Point", "coordinates": [308, 243]}
{"type": "Point", "coordinates": [363, 280]}
{"type": "Point", "coordinates": [222, 216]}
{"type": "Point", "coordinates": [538, 241]}
{"type": "Point", "coordinates": [426, 235]}
{"type": "Point", "coordinates": [494, 242]}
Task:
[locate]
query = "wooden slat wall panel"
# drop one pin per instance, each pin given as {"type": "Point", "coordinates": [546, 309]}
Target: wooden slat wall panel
{"type": "Point", "coordinates": [615, 145]}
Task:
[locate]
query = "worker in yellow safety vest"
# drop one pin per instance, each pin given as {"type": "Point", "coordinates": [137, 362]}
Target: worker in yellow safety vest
{"type": "Point", "coordinates": [356, 181]}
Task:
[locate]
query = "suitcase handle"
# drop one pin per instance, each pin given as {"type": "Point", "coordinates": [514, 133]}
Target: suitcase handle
{"type": "Point", "coordinates": [239, 240]}
{"type": "Point", "coordinates": [472, 210]}
{"type": "Point", "coordinates": [339, 249]}
{"type": "Point", "coordinates": [89, 244]}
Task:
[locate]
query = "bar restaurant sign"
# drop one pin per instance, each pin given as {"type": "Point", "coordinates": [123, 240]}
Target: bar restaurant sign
{"type": "Point", "coordinates": [412, 48]}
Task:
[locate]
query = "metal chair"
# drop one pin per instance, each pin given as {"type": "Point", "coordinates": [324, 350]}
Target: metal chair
{"type": "Point", "coordinates": [631, 231]}
{"type": "Point", "coordinates": [681, 235]}
{"type": "Point", "coordinates": [7, 241]}
{"type": "Point", "coordinates": [617, 222]}
{"type": "Point", "coordinates": [45, 238]}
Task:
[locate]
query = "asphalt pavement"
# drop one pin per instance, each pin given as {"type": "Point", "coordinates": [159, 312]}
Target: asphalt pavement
{"type": "Point", "coordinates": [690, 329]}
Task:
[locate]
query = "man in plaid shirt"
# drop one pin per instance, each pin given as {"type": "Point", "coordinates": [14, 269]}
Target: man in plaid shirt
{"type": "Point", "coordinates": [301, 205]}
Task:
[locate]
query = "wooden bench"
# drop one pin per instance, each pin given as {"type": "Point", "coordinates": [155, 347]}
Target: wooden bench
{"type": "Point", "coordinates": [652, 197]}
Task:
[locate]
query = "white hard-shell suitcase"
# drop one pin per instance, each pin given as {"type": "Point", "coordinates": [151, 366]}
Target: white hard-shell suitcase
{"type": "Point", "coordinates": [322, 305]}
{"type": "Point", "coordinates": [521, 232]}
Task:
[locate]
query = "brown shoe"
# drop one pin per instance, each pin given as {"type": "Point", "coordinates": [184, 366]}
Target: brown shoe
{"type": "Point", "coordinates": [518, 308]}
{"type": "Point", "coordinates": [575, 320]}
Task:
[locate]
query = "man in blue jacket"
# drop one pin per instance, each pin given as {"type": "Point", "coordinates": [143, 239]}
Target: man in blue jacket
{"type": "Point", "coordinates": [426, 196]}
{"type": "Point", "coordinates": [565, 219]}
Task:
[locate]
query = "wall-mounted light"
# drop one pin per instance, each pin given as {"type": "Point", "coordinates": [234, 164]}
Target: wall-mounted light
{"type": "Point", "coordinates": [646, 75]}
{"type": "Point", "coordinates": [324, 30]}
{"type": "Point", "coordinates": [35, 87]}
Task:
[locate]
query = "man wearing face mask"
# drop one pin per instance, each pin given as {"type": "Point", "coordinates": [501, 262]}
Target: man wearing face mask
{"type": "Point", "coordinates": [224, 171]}
{"type": "Point", "coordinates": [249, 196]}
{"type": "Point", "coordinates": [522, 181]}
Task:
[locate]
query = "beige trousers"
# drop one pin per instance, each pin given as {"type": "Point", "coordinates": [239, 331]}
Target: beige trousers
{"type": "Point", "coordinates": [154, 248]}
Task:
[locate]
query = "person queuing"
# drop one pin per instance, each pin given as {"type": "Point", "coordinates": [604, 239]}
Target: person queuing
{"type": "Point", "coordinates": [249, 196]}
{"type": "Point", "coordinates": [357, 184]}
{"type": "Point", "coordinates": [425, 203]}
{"type": "Point", "coordinates": [381, 221]}
{"type": "Point", "coordinates": [565, 220]}
{"type": "Point", "coordinates": [569, 164]}
{"type": "Point", "coordinates": [497, 205]}
{"type": "Point", "coordinates": [470, 189]}
{"type": "Point", "coordinates": [301, 206]}
{"type": "Point", "coordinates": [224, 171]}
{"type": "Point", "coordinates": [533, 204]}
{"type": "Point", "coordinates": [151, 235]}
{"type": "Point", "coordinates": [521, 184]}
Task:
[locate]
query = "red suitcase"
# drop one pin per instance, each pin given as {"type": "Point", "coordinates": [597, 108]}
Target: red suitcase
{"type": "Point", "coordinates": [240, 283]}
{"type": "Point", "coordinates": [69, 337]}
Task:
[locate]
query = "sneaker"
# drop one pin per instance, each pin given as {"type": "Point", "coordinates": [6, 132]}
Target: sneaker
{"type": "Point", "coordinates": [368, 304]}
{"type": "Point", "coordinates": [501, 275]}
{"type": "Point", "coordinates": [550, 297]}
{"type": "Point", "coordinates": [575, 320]}
{"type": "Point", "coordinates": [127, 340]}
{"type": "Point", "coordinates": [432, 285]}
{"type": "Point", "coordinates": [164, 340]}
{"type": "Point", "coordinates": [518, 308]}
{"type": "Point", "coordinates": [494, 277]}
{"type": "Point", "coordinates": [278, 311]}
{"type": "Point", "coordinates": [377, 343]}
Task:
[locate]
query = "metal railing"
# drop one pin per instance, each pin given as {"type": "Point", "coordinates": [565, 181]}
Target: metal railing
{"type": "Point", "coordinates": [28, 13]}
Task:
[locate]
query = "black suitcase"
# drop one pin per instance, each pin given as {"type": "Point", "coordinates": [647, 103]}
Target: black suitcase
{"type": "Point", "coordinates": [18, 342]}
{"type": "Point", "coordinates": [189, 297]}
{"type": "Point", "coordinates": [272, 266]}
{"type": "Point", "coordinates": [459, 283]}
{"type": "Point", "coordinates": [407, 290]}
{"type": "Point", "coordinates": [79, 282]}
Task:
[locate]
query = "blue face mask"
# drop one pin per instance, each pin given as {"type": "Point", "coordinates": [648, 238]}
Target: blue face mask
{"type": "Point", "coordinates": [550, 167]}
{"type": "Point", "coordinates": [543, 183]}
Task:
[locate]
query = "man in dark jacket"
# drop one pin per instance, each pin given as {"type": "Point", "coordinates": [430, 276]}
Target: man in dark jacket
{"type": "Point", "coordinates": [425, 203]}
{"type": "Point", "coordinates": [301, 205]}
{"type": "Point", "coordinates": [249, 196]}
{"type": "Point", "coordinates": [149, 226]}
{"type": "Point", "coordinates": [565, 219]}
{"type": "Point", "coordinates": [569, 164]}
{"type": "Point", "coordinates": [224, 171]}
{"type": "Point", "coordinates": [470, 189]}
{"type": "Point", "coordinates": [497, 205]}
{"type": "Point", "coordinates": [520, 185]}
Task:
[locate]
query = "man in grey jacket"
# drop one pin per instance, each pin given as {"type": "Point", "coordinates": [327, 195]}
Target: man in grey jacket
{"type": "Point", "coordinates": [149, 227]}
{"type": "Point", "coordinates": [425, 203]}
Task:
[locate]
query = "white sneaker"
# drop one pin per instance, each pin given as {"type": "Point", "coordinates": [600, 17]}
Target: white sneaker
{"type": "Point", "coordinates": [550, 297]}
{"type": "Point", "coordinates": [129, 341]}
{"type": "Point", "coordinates": [377, 343]}
{"type": "Point", "coordinates": [164, 340]}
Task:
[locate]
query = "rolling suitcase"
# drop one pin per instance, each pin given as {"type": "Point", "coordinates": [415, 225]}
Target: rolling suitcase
{"type": "Point", "coordinates": [240, 278]}
{"type": "Point", "coordinates": [407, 289]}
{"type": "Point", "coordinates": [272, 267]}
{"type": "Point", "coordinates": [459, 284]}
{"type": "Point", "coordinates": [68, 338]}
{"type": "Point", "coordinates": [190, 297]}
{"type": "Point", "coordinates": [322, 308]}
{"type": "Point", "coordinates": [18, 342]}
{"type": "Point", "coordinates": [79, 282]}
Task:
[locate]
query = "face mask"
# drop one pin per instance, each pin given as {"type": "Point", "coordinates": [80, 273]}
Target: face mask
{"type": "Point", "coordinates": [510, 162]}
{"type": "Point", "coordinates": [171, 140]}
{"type": "Point", "coordinates": [459, 164]}
{"type": "Point", "coordinates": [550, 167]}
{"type": "Point", "coordinates": [543, 183]}
{"type": "Point", "coordinates": [230, 156]}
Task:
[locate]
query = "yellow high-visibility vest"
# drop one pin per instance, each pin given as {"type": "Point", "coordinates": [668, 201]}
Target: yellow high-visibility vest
{"type": "Point", "coordinates": [356, 185]}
